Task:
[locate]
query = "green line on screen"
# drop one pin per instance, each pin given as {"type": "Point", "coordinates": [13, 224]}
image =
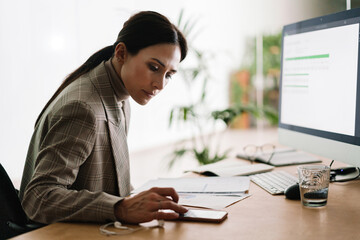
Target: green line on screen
{"type": "Point", "coordinates": [297, 86]}
{"type": "Point", "coordinates": [309, 57]}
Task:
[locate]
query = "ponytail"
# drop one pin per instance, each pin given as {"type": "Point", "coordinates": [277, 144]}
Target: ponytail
{"type": "Point", "coordinates": [94, 60]}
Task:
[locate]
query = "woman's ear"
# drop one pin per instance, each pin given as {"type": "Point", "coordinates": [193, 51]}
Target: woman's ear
{"type": "Point", "coordinates": [120, 52]}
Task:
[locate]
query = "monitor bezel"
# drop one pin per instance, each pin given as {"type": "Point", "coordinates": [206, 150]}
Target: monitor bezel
{"type": "Point", "coordinates": [323, 22]}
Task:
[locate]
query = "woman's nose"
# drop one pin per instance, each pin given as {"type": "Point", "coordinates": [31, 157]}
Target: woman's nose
{"type": "Point", "coordinates": [159, 83]}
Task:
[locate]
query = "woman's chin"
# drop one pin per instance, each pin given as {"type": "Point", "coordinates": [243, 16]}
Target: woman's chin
{"type": "Point", "coordinates": [142, 101]}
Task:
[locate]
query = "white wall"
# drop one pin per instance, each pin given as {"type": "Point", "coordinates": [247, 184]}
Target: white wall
{"type": "Point", "coordinates": [42, 41]}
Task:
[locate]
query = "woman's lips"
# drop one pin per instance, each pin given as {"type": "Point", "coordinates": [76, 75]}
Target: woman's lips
{"type": "Point", "coordinates": [149, 94]}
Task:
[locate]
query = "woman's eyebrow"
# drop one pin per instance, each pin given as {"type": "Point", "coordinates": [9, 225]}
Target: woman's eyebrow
{"type": "Point", "coordinates": [162, 64]}
{"type": "Point", "coordinates": [157, 60]}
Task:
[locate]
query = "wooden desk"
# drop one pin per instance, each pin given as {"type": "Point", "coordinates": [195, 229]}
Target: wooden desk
{"type": "Point", "coordinates": [261, 216]}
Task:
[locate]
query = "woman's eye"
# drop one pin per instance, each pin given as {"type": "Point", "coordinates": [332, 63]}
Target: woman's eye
{"type": "Point", "coordinates": [153, 68]}
{"type": "Point", "coordinates": [169, 76]}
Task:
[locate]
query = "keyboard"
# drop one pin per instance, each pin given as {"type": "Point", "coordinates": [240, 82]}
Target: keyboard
{"type": "Point", "coordinates": [274, 182]}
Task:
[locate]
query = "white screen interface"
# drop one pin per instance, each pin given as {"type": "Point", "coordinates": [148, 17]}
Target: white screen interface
{"type": "Point", "coordinates": [319, 79]}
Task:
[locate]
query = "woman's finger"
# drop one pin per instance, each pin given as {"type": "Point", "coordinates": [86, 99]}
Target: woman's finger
{"type": "Point", "coordinates": [166, 192]}
{"type": "Point", "coordinates": [164, 203]}
{"type": "Point", "coordinates": [160, 215]}
{"type": "Point", "coordinates": [173, 206]}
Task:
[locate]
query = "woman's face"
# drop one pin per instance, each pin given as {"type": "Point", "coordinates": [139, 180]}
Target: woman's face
{"type": "Point", "coordinates": [147, 73]}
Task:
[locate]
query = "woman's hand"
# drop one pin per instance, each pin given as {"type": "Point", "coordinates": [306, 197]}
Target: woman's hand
{"type": "Point", "coordinates": [145, 206]}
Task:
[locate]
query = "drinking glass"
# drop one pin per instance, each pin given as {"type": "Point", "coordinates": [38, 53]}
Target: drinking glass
{"type": "Point", "coordinates": [314, 184]}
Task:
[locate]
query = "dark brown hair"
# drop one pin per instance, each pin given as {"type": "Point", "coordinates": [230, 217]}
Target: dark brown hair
{"type": "Point", "coordinates": [139, 31]}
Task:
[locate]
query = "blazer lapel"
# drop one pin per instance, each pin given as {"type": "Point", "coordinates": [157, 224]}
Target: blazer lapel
{"type": "Point", "coordinates": [127, 115]}
{"type": "Point", "coordinates": [118, 134]}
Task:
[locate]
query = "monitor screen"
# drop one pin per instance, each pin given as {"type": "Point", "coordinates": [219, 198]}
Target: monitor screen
{"type": "Point", "coordinates": [319, 107]}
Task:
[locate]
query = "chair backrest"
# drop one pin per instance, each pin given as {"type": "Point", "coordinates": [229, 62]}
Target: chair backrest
{"type": "Point", "coordinates": [10, 206]}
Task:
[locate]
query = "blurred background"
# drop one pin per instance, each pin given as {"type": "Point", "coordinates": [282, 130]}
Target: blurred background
{"type": "Point", "coordinates": [234, 63]}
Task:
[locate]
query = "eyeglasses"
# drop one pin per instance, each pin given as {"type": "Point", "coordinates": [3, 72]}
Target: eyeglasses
{"type": "Point", "coordinates": [253, 151]}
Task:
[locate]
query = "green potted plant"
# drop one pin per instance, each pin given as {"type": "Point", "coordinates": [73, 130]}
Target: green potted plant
{"type": "Point", "coordinates": [205, 149]}
{"type": "Point", "coordinates": [194, 113]}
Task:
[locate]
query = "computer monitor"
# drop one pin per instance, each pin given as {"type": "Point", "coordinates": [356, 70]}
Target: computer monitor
{"type": "Point", "coordinates": [319, 104]}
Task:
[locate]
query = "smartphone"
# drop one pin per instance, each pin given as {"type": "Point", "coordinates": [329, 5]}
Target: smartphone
{"type": "Point", "coordinates": [200, 215]}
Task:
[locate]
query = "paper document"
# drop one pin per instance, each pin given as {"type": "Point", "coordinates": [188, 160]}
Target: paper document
{"type": "Point", "coordinates": [214, 185]}
{"type": "Point", "coordinates": [231, 167]}
{"type": "Point", "coordinates": [210, 201]}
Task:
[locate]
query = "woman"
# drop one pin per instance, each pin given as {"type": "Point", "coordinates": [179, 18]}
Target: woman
{"type": "Point", "coordinates": [77, 167]}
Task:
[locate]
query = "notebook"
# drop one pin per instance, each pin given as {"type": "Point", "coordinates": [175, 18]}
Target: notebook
{"type": "Point", "coordinates": [285, 158]}
{"type": "Point", "coordinates": [231, 167]}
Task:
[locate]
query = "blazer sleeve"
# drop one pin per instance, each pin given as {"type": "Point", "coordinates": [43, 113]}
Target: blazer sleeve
{"type": "Point", "coordinates": [67, 144]}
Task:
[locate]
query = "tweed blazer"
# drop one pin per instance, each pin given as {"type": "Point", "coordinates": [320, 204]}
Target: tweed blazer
{"type": "Point", "coordinates": [77, 165]}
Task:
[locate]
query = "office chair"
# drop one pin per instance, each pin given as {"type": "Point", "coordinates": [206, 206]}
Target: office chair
{"type": "Point", "coordinates": [13, 220]}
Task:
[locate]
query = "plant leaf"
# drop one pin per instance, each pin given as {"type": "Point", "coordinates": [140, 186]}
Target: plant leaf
{"type": "Point", "coordinates": [175, 155]}
{"type": "Point", "coordinates": [180, 17]}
